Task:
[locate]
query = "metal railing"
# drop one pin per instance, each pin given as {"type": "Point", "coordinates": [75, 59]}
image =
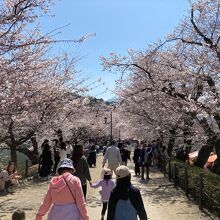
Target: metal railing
{"type": "Point", "coordinates": [28, 163]}
{"type": "Point", "coordinates": [195, 183]}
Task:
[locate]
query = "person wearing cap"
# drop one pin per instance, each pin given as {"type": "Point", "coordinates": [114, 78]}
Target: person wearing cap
{"type": "Point", "coordinates": [65, 195]}
{"type": "Point", "coordinates": [107, 184]}
{"type": "Point", "coordinates": [113, 156]}
{"type": "Point", "coordinates": [125, 201]}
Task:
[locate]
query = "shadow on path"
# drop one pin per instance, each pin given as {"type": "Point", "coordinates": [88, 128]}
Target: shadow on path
{"type": "Point", "coordinates": [158, 192]}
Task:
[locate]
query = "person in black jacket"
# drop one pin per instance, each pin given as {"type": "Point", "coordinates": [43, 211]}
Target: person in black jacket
{"type": "Point", "coordinates": [125, 155]}
{"type": "Point", "coordinates": [45, 161]}
{"type": "Point", "coordinates": [125, 201]}
{"type": "Point", "coordinates": [136, 156]}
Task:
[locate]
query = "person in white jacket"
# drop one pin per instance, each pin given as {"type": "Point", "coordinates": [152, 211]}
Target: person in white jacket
{"type": "Point", "coordinates": [113, 156]}
{"type": "Point", "coordinates": [63, 151]}
{"type": "Point", "coordinates": [69, 149]}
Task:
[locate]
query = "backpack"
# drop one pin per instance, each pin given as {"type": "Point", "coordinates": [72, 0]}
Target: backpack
{"type": "Point", "coordinates": [125, 210]}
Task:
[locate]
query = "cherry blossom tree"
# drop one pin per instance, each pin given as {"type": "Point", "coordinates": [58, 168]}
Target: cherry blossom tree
{"type": "Point", "coordinates": [31, 97]}
{"type": "Point", "coordinates": [35, 86]}
{"type": "Point", "coordinates": [183, 72]}
{"type": "Point", "coordinates": [86, 121]}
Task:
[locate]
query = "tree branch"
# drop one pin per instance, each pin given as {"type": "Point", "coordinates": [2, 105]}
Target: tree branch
{"type": "Point", "coordinates": [206, 39]}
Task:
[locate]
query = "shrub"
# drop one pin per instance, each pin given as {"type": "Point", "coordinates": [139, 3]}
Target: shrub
{"type": "Point", "coordinates": [211, 184]}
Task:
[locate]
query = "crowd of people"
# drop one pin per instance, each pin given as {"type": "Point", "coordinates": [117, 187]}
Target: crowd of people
{"type": "Point", "coordinates": [51, 156]}
{"type": "Point", "coordinates": [65, 198]}
{"type": "Point", "coordinates": [66, 194]}
{"type": "Point", "coordinates": [69, 166]}
{"type": "Point", "coordinates": [149, 155]}
{"type": "Point", "coordinates": [122, 200]}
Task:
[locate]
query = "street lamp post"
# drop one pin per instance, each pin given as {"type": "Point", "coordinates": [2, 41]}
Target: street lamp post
{"type": "Point", "coordinates": [111, 136]}
{"type": "Point", "coordinates": [111, 125]}
{"type": "Point", "coordinates": [119, 135]}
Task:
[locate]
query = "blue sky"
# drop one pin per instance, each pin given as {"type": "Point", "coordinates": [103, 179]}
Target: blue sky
{"type": "Point", "coordinates": [118, 24]}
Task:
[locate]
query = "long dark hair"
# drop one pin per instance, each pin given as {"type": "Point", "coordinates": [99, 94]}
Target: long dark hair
{"type": "Point", "coordinates": [77, 153]}
{"type": "Point", "coordinates": [46, 148]}
{"type": "Point", "coordinates": [46, 142]}
{"type": "Point", "coordinates": [123, 186]}
{"type": "Point", "coordinates": [107, 178]}
{"type": "Point", "coordinates": [9, 164]}
{"type": "Point", "coordinates": [62, 146]}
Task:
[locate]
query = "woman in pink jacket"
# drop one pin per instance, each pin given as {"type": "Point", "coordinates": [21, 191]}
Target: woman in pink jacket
{"type": "Point", "coordinates": [65, 195]}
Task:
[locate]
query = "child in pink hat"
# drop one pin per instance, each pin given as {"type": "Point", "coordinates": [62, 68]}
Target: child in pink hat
{"type": "Point", "coordinates": [107, 184]}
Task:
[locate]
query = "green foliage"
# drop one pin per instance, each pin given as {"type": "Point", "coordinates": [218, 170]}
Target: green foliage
{"type": "Point", "coordinates": [210, 183]}
{"type": "Point", "coordinates": [5, 158]}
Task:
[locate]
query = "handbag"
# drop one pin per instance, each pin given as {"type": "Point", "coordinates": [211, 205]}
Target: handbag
{"type": "Point", "coordinates": [69, 189]}
{"type": "Point", "coordinates": [79, 215]}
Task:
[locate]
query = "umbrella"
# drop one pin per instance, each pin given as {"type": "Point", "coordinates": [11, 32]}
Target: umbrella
{"type": "Point", "coordinates": [212, 158]}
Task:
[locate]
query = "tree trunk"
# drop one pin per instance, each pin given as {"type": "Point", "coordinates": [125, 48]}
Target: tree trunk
{"type": "Point", "coordinates": [35, 145]}
{"type": "Point", "coordinates": [203, 155]}
{"type": "Point", "coordinates": [216, 166]}
{"type": "Point", "coordinates": [13, 153]}
{"type": "Point", "coordinates": [11, 143]}
{"type": "Point", "coordinates": [171, 142]}
{"type": "Point", "coordinates": [34, 158]}
{"type": "Point", "coordinates": [205, 151]}
{"type": "Point", "coordinates": [187, 130]}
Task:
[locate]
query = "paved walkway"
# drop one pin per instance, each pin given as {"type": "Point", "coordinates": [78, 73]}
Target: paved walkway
{"type": "Point", "coordinates": [162, 201]}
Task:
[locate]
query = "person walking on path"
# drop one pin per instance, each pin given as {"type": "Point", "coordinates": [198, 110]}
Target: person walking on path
{"type": "Point", "coordinates": [91, 159]}
{"type": "Point", "coordinates": [113, 156]}
{"type": "Point", "coordinates": [69, 149]}
{"type": "Point", "coordinates": [145, 160]}
{"type": "Point", "coordinates": [63, 151]}
{"type": "Point", "coordinates": [65, 195]}
{"type": "Point", "coordinates": [125, 201]}
{"type": "Point", "coordinates": [81, 166]}
{"type": "Point", "coordinates": [56, 154]}
{"type": "Point", "coordinates": [107, 185]}
{"type": "Point", "coordinates": [45, 161]}
{"type": "Point", "coordinates": [125, 155]}
{"type": "Point", "coordinates": [154, 147]}
{"type": "Point", "coordinates": [136, 161]}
